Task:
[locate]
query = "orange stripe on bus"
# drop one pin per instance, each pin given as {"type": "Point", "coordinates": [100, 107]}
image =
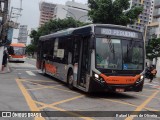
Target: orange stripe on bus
{"type": "Point", "coordinates": [51, 68]}
{"type": "Point", "coordinates": [17, 45]}
{"type": "Point", "coordinates": [120, 79]}
{"type": "Point", "coordinates": [18, 56]}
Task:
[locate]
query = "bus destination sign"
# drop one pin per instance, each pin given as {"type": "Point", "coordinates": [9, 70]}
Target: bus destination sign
{"type": "Point", "coordinates": [121, 33]}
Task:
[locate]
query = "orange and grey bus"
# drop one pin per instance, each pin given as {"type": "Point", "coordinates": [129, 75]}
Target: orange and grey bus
{"type": "Point", "coordinates": [94, 57]}
{"type": "Point", "coordinates": [17, 52]}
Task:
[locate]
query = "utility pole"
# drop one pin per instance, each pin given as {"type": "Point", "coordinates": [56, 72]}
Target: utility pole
{"type": "Point", "coordinates": [4, 26]}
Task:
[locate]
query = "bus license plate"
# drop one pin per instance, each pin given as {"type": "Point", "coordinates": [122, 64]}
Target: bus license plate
{"type": "Point", "coordinates": [119, 90]}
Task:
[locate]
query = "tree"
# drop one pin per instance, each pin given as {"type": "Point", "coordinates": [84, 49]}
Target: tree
{"type": "Point", "coordinates": [30, 49]}
{"type": "Point", "coordinates": [153, 49]}
{"type": "Point", "coordinates": [54, 26]}
{"type": "Point", "coordinates": [113, 12]}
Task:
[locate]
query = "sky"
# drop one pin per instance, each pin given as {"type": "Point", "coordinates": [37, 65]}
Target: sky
{"type": "Point", "coordinates": [30, 13]}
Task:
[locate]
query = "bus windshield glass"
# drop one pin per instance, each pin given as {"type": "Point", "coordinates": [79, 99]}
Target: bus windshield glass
{"type": "Point", "coordinates": [16, 50]}
{"type": "Point", "coordinates": [119, 54]}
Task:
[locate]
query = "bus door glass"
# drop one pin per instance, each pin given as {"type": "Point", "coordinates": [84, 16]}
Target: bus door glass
{"type": "Point", "coordinates": [81, 53]}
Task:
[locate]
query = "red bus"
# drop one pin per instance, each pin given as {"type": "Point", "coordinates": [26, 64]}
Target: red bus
{"type": "Point", "coordinates": [17, 52]}
{"type": "Point", "coordinates": [94, 57]}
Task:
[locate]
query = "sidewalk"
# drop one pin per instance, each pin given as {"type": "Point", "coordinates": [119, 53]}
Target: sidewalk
{"type": "Point", "coordinates": [6, 70]}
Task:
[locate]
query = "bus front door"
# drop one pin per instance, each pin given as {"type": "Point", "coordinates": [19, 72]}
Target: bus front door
{"type": "Point", "coordinates": [83, 61]}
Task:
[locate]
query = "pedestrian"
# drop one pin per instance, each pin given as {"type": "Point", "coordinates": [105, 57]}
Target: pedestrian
{"type": "Point", "coordinates": [153, 72]}
{"type": "Point", "coordinates": [4, 61]}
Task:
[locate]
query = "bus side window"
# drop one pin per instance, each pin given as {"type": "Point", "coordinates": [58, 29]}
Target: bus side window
{"type": "Point", "coordinates": [76, 51]}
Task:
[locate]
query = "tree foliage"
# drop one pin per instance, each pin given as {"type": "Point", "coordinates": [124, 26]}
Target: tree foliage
{"type": "Point", "coordinates": [53, 26]}
{"type": "Point", "coordinates": [113, 12]}
{"type": "Point", "coordinates": [30, 49]}
{"type": "Point", "coordinates": [153, 48]}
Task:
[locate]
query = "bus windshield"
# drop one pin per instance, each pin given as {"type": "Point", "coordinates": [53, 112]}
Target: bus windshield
{"type": "Point", "coordinates": [119, 54]}
{"type": "Point", "coordinates": [16, 50]}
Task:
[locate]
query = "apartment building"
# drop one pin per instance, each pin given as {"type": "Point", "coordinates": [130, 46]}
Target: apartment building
{"type": "Point", "coordinates": [145, 17]}
{"type": "Point", "coordinates": [46, 12]}
{"type": "Point", "coordinates": [154, 27]}
{"type": "Point", "coordinates": [77, 11]}
{"type": "Point", "coordinates": [23, 34]}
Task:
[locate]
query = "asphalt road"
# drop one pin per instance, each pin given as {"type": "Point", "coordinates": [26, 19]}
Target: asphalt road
{"type": "Point", "coordinates": [44, 93]}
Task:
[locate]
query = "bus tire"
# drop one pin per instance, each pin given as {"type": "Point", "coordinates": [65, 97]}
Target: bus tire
{"type": "Point", "coordinates": [70, 80]}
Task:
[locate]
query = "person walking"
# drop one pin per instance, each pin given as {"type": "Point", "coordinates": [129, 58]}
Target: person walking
{"type": "Point", "coordinates": [4, 61]}
{"type": "Point", "coordinates": [153, 72]}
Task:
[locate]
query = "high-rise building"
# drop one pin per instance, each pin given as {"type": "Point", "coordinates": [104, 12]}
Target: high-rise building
{"type": "Point", "coordinates": [154, 27]}
{"type": "Point", "coordinates": [23, 34]}
{"type": "Point", "coordinates": [46, 12]}
{"type": "Point", "coordinates": [77, 11]}
{"type": "Point", "coordinates": [145, 17]}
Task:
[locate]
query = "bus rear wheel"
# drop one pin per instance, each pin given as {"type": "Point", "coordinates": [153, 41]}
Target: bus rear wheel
{"type": "Point", "coordinates": [70, 80]}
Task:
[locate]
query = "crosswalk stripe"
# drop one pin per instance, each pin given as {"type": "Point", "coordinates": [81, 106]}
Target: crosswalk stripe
{"type": "Point", "coordinates": [30, 73]}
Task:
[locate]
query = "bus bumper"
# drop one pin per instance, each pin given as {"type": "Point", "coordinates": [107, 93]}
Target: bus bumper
{"type": "Point", "coordinates": [16, 59]}
{"type": "Point", "coordinates": [137, 87]}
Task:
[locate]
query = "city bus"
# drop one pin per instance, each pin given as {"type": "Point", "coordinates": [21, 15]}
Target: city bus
{"type": "Point", "coordinates": [16, 52]}
{"type": "Point", "coordinates": [77, 56]}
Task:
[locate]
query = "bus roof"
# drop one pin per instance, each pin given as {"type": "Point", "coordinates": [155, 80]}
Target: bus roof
{"type": "Point", "coordinates": [17, 45]}
{"type": "Point", "coordinates": [83, 30]}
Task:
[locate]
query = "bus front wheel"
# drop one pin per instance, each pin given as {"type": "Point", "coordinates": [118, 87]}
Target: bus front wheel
{"type": "Point", "coordinates": [70, 80]}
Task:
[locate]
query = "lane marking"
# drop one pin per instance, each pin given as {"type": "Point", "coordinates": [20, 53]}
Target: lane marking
{"type": "Point", "coordinates": [65, 90]}
{"type": "Point", "coordinates": [142, 95]}
{"type": "Point", "coordinates": [72, 113]}
{"type": "Point", "coordinates": [41, 80]}
{"type": "Point", "coordinates": [121, 102]}
{"type": "Point", "coordinates": [44, 87]}
{"type": "Point", "coordinates": [32, 82]}
{"type": "Point", "coordinates": [149, 89]}
{"type": "Point", "coordinates": [62, 101]}
{"type": "Point", "coordinates": [140, 107]}
{"type": "Point", "coordinates": [30, 73]}
{"type": "Point", "coordinates": [66, 111]}
{"type": "Point", "coordinates": [29, 99]}
{"type": "Point", "coordinates": [125, 103]}
{"type": "Point", "coordinates": [51, 87]}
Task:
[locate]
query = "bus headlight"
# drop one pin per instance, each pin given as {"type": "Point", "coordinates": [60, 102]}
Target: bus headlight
{"type": "Point", "coordinates": [141, 77]}
{"type": "Point", "coordinates": [96, 76]}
